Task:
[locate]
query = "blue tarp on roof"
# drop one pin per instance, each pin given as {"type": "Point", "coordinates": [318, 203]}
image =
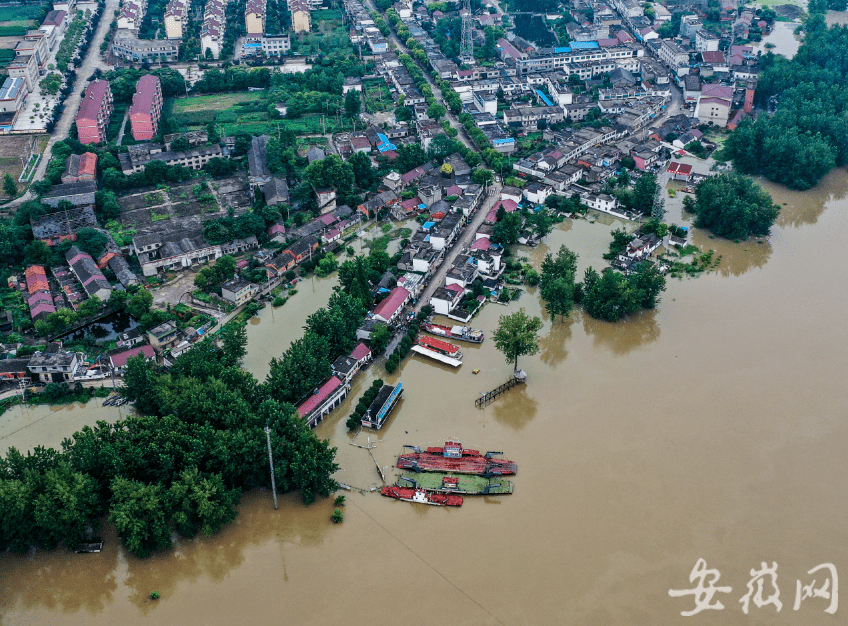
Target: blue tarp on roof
{"type": "Point", "coordinates": [544, 97]}
{"type": "Point", "coordinates": [385, 144]}
{"type": "Point", "coordinates": [584, 45]}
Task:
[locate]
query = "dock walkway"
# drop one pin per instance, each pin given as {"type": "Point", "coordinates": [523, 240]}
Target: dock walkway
{"type": "Point", "coordinates": [487, 397]}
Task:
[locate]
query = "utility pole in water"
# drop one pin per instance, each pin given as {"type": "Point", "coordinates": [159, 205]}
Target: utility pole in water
{"type": "Point", "coordinates": [271, 463]}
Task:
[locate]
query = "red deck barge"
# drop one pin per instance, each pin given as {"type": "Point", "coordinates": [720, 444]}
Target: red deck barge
{"type": "Point", "coordinates": [452, 457]}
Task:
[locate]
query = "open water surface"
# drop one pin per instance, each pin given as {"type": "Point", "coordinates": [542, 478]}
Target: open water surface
{"type": "Point", "coordinates": [713, 427]}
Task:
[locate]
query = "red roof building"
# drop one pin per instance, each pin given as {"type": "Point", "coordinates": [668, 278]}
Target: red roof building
{"type": "Point", "coordinates": [146, 108]}
{"type": "Point", "coordinates": [318, 398]}
{"type": "Point", "coordinates": [388, 310]}
{"type": "Point", "coordinates": [361, 352]}
{"type": "Point", "coordinates": [94, 112]}
{"type": "Point", "coordinates": [120, 359]}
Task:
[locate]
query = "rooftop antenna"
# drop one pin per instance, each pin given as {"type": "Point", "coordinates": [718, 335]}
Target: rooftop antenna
{"type": "Point", "coordinates": [466, 48]}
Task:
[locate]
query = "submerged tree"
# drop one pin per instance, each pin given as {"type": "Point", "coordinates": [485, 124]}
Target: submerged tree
{"type": "Point", "coordinates": [517, 335]}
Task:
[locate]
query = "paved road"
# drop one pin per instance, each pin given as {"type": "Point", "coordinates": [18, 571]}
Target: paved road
{"type": "Point", "coordinates": [465, 239]}
{"type": "Point", "coordinates": [437, 93]}
{"type": "Point", "coordinates": [91, 62]}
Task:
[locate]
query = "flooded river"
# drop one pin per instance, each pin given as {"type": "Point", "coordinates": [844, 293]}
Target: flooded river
{"type": "Point", "coordinates": [711, 428]}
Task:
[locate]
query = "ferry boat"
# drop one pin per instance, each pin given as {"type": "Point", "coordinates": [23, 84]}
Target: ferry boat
{"type": "Point", "coordinates": [452, 457]}
{"type": "Point", "coordinates": [419, 496]}
{"type": "Point", "coordinates": [466, 485]}
{"type": "Point", "coordinates": [460, 333]}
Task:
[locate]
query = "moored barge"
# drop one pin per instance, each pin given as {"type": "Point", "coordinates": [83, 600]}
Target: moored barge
{"type": "Point", "coordinates": [439, 350]}
{"type": "Point", "coordinates": [466, 485]}
{"type": "Point", "coordinates": [460, 333]}
{"type": "Point", "coordinates": [452, 457]}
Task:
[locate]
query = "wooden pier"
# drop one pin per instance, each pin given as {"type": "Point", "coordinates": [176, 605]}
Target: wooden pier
{"type": "Point", "coordinates": [487, 397]}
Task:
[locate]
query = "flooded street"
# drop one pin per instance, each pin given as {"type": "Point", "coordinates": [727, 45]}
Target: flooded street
{"type": "Point", "coordinates": [713, 427]}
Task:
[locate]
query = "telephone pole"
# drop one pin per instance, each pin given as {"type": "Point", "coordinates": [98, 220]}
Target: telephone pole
{"type": "Point", "coordinates": [271, 463]}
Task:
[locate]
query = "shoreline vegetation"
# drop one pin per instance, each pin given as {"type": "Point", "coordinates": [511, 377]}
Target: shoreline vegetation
{"type": "Point", "coordinates": [807, 135]}
{"type": "Point", "coordinates": [182, 465]}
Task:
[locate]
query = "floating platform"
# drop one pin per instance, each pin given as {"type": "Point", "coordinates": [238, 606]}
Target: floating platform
{"type": "Point", "coordinates": [438, 356]}
{"type": "Point", "coordinates": [466, 485]}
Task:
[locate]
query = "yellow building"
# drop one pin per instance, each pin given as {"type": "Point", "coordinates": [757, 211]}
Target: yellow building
{"type": "Point", "coordinates": [301, 19]}
{"type": "Point", "coordinates": [176, 15]}
{"type": "Point", "coordinates": [254, 18]}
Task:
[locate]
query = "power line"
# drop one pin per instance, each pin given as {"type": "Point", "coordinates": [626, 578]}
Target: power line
{"type": "Point", "coordinates": [446, 579]}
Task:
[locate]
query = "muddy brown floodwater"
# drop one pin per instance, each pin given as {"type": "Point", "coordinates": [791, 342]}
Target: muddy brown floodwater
{"type": "Point", "coordinates": [714, 428]}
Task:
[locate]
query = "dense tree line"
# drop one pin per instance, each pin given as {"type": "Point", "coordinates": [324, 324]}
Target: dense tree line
{"type": "Point", "coordinates": [808, 134]}
{"type": "Point", "coordinates": [733, 206]}
{"type": "Point", "coordinates": [329, 333]}
{"type": "Point", "coordinates": [181, 466]}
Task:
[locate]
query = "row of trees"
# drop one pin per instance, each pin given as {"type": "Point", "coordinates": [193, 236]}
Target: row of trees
{"type": "Point", "coordinates": [329, 333]}
{"type": "Point", "coordinates": [808, 134]}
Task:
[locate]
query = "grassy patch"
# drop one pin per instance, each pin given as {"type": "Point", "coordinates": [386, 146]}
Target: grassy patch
{"type": "Point", "coordinates": [215, 102]}
{"type": "Point", "coordinates": [17, 12]}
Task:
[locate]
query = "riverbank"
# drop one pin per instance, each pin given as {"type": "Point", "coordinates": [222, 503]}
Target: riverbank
{"type": "Point", "coordinates": [733, 456]}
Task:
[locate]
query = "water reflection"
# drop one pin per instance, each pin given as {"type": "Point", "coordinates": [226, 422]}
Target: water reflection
{"type": "Point", "coordinates": [105, 329]}
{"type": "Point", "coordinates": [801, 208]}
{"type": "Point", "coordinates": [52, 579]}
{"type": "Point", "coordinates": [623, 336]}
{"type": "Point", "coordinates": [552, 347]}
{"type": "Point", "coordinates": [515, 408]}
{"type": "Point", "coordinates": [736, 258]}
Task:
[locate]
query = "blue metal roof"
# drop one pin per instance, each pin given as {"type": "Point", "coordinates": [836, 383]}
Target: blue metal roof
{"type": "Point", "coordinates": [385, 144]}
{"type": "Point", "coordinates": [544, 97]}
{"type": "Point", "coordinates": [584, 45]}
{"type": "Point", "coordinates": [500, 142]}
{"type": "Point", "coordinates": [562, 50]}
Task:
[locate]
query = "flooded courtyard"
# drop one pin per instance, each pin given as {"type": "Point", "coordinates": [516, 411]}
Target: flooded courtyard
{"type": "Point", "coordinates": [713, 427]}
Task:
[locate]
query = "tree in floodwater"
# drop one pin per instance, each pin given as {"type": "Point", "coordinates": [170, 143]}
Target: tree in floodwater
{"type": "Point", "coordinates": [733, 206]}
{"type": "Point", "coordinates": [517, 335]}
{"type": "Point", "coordinates": [557, 282]}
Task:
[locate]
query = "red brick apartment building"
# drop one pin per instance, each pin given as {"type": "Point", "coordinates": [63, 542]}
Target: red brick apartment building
{"type": "Point", "coordinates": [94, 112]}
{"type": "Point", "coordinates": [146, 108]}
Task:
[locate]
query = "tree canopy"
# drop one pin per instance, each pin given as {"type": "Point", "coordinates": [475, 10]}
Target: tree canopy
{"type": "Point", "coordinates": [557, 283]}
{"type": "Point", "coordinates": [517, 335]}
{"type": "Point", "coordinates": [808, 134]}
{"type": "Point", "coordinates": [733, 206]}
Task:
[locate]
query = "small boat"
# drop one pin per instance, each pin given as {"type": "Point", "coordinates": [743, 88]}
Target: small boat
{"type": "Point", "coordinates": [460, 333]}
{"type": "Point", "coordinates": [476, 370]}
{"type": "Point", "coordinates": [419, 496]}
{"type": "Point", "coordinates": [90, 547]}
